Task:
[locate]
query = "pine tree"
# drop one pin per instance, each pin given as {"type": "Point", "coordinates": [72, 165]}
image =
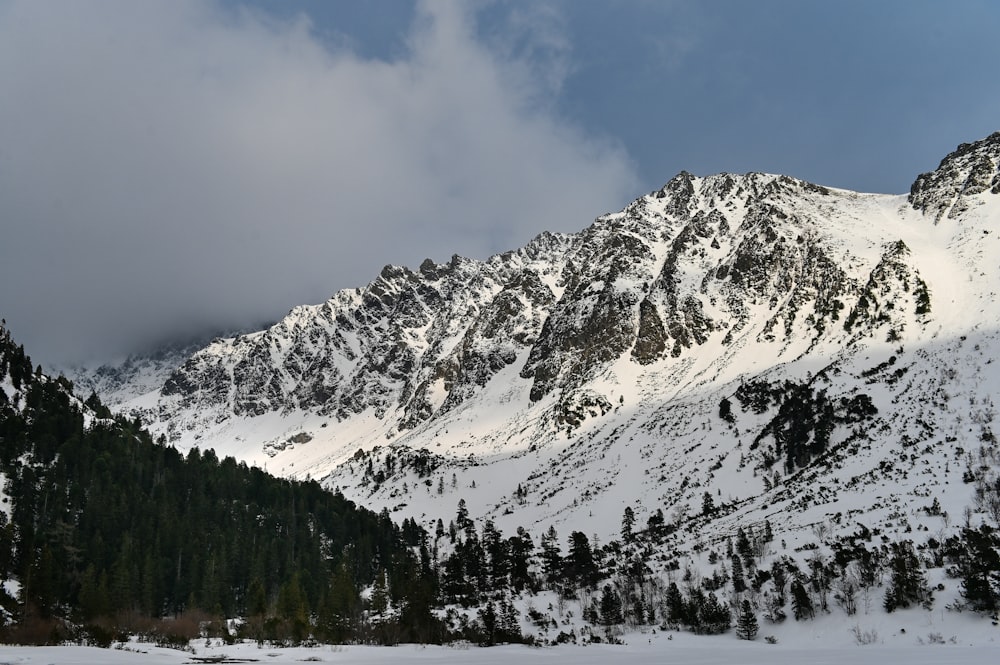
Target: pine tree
{"type": "Point", "coordinates": [778, 581]}
{"type": "Point", "coordinates": [976, 558]}
{"type": "Point", "coordinates": [714, 617]}
{"type": "Point", "coordinates": [510, 626]}
{"type": "Point", "coordinates": [707, 504]}
{"type": "Point", "coordinates": [611, 606]}
{"type": "Point", "coordinates": [675, 604]}
{"type": "Point", "coordinates": [743, 546]}
{"type": "Point", "coordinates": [746, 622]}
{"type": "Point", "coordinates": [94, 601]}
{"type": "Point", "coordinates": [462, 520]}
{"type": "Point", "coordinates": [256, 598]}
{"type": "Point", "coordinates": [294, 609]}
{"type": "Point", "coordinates": [802, 605]}
{"type": "Point", "coordinates": [380, 596]}
{"type": "Point", "coordinates": [726, 411]}
{"type": "Point", "coordinates": [551, 556]}
{"type": "Point", "coordinates": [488, 618]}
{"type": "Point", "coordinates": [907, 584]}
{"type": "Point", "coordinates": [739, 582]}
{"type": "Point", "coordinates": [656, 525]}
{"type": "Point", "coordinates": [579, 565]}
{"type": "Point", "coordinates": [628, 520]}
{"type": "Point", "coordinates": [520, 548]}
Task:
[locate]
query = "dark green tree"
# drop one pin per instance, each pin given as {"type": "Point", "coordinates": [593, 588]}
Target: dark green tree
{"type": "Point", "coordinates": [628, 521]}
{"type": "Point", "coordinates": [611, 606]}
{"type": "Point", "coordinates": [520, 548]}
{"type": "Point", "coordinates": [975, 558]}
{"type": "Point", "coordinates": [907, 584]}
{"type": "Point", "coordinates": [579, 565]}
{"type": "Point", "coordinates": [488, 618]}
{"type": "Point", "coordinates": [746, 622]}
{"type": "Point", "coordinates": [707, 504]}
{"type": "Point", "coordinates": [802, 605]}
{"type": "Point", "coordinates": [552, 561]}
{"type": "Point", "coordinates": [739, 582]}
{"type": "Point", "coordinates": [674, 604]}
{"type": "Point", "coordinates": [714, 617]}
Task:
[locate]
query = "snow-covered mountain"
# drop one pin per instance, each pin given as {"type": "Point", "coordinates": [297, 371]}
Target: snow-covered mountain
{"type": "Point", "coordinates": [812, 356]}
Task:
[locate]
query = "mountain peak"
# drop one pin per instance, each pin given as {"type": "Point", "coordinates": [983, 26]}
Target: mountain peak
{"type": "Point", "coordinates": [971, 169]}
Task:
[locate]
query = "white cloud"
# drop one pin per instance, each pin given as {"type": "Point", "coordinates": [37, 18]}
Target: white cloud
{"type": "Point", "coordinates": [171, 164]}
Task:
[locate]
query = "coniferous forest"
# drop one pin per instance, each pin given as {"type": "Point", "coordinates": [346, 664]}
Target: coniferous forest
{"type": "Point", "coordinates": [106, 533]}
{"type": "Point", "coordinates": [109, 530]}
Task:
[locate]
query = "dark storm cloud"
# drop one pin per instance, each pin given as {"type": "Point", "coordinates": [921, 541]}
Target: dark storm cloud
{"type": "Point", "coordinates": [170, 166]}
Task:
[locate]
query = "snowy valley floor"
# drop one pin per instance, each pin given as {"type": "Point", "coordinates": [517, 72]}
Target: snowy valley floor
{"type": "Point", "coordinates": [913, 637]}
{"type": "Point", "coordinates": [706, 652]}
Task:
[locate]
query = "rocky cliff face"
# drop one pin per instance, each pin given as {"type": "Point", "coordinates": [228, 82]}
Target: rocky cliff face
{"type": "Point", "coordinates": [735, 328]}
{"type": "Point", "coordinates": [652, 283]}
{"type": "Point", "coordinates": [972, 169]}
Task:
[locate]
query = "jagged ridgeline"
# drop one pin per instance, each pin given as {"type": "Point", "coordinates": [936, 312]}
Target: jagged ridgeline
{"type": "Point", "coordinates": [681, 287]}
{"type": "Point", "coordinates": [103, 527]}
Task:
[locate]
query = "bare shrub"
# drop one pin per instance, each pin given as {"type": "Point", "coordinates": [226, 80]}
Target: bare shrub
{"type": "Point", "coordinates": [177, 632]}
{"type": "Point", "coordinates": [864, 637]}
{"type": "Point", "coordinates": [37, 631]}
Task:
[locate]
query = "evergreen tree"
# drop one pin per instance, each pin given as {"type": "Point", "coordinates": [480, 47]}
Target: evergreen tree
{"type": "Point", "coordinates": [611, 606]}
{"type": "Point", "coordinates": [579, 565]}
{"type": "Point", "coordinates": [379, 597]}
{"type": "Point", "coordinates": [744, 547]}
{"type": "Point", "coordinates": [714, 617]}
{"type": "Point", "coordinates": [462, 520]}
{"type": "Point", "coordinates": [628, 521]}
{"type": "Point", "coordinates": [520, 548]}
{"type": "Point", "coordinates": [551, 556]}
{"type": "Point", "coordinates": [674, 604]}
{"type": "Point", "coordinates": [497, 555]}
{"type": "Point", "coordinates": [341, 605]}
{"type": "Point", "coordinates": [439, 529]}
{"type": "Point", "coordinates": [726, 411]}
{"type": "Point", "coordinates": [739, 582]}
{"type": "Point", "coordinates": [256, 598]}
{"type": "Point", "coordinates": [746, 622]}
{"type": "Point", "coordinates": [488, 618]}
{"type": "Point", "coordinates": [656, 525]}
{"type": "Point", "coordinates": [976, 558]}
{"type": "Point", "coordinates": [802, 605]}
{"type": "Point", "coordinates": [293, 609]}
{"type": "Point", "coordinates": [510, 626]}
{"type": "Point", "coordinates": [778, 580]}
{"type": "Point", "coordinates": [707, 504]}
{"type": "Point", "coordinates": [907, 584]}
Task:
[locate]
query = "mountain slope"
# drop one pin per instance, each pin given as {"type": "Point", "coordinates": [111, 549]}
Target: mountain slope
{"type": "Point", "coordinates": [791, 350]}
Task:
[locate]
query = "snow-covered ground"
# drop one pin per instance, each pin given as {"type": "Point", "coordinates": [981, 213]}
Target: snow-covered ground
{"type": "Point", "coordinates": [913, 636]}
{"type": "Point", "coordinates": [640, 649]}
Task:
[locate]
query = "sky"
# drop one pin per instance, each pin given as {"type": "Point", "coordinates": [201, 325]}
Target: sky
{"type": "Point", "coordinates": [169, 168]}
